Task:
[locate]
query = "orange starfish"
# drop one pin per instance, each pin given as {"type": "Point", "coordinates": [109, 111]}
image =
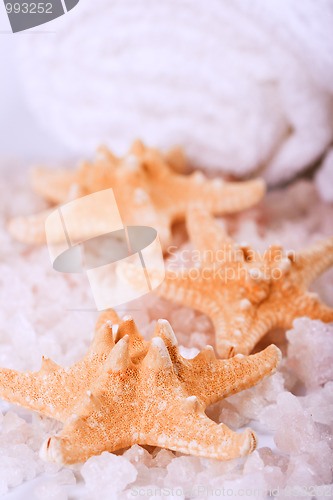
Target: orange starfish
{"type": "Point", "coordinates": [150, 189]}
{"type": "Point", "coordinates": [245, 293]}
{"type": "Point", "coordinates": [126, 390]}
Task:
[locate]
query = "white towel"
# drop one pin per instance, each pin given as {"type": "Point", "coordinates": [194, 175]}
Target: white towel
{"type": "Point", "coordinates": [244, 86]}
{"type": "Point", "coordinates": [324, 178]}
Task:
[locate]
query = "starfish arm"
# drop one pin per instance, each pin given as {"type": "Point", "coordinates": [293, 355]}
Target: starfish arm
{"type": "Point", "coordinates": [90, 220]}
{"type": "Point", "coordinates": [237, 331]}
{"type": "Point", "coordinates": [237, 196]}
{"type": "Point", "coordinates": [103, 418]}
{"type": "Point", "coordinates": [184, 287]}
{"type": "Point", "coordinates": [83, 437]}
{"type": "Point", "coordinates": [53, 390]}
{"type": "Point", "coordinates": [126, 391]}
{"type": "Point", "coordinates": [225, 345]}
{"type": "Point", "coordinates": [314, 260]}
{"type": "Point", "coordinates": [190, 431]}
{"type": "Point", "coordinates": [217, 379]}
{"type": "Point", "coordinates": [29, 229]}
{"type": "Point", "coordinates": [36, 390]}
{"type": "Point", "coordinates": [217, 196]}
{"type": "Point", "coordinates": [208, 237]}
{"type": "Point", "coordinates": [176, 285]}
{"type": "Point", "coordinates": [187, 431]}
{"type": "Point", "coordinates": [52, 185]}
{"type": "Point", "coordinates": [159, 221]}
{"type": "Point", "coordinates": [142, 209]}
{"type": "Point", "coordinates": [309, 305]}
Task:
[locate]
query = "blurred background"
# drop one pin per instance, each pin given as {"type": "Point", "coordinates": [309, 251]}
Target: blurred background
{"type": "Point", "coordinates": [23, 137]}
{"type": "Point", "coordinates": [245, 88]}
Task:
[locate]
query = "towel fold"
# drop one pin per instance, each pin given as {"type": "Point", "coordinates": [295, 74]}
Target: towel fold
{"type": "Point", "coordinates": [244, 86]}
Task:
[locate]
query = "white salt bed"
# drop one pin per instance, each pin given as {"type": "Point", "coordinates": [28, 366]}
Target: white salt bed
{"type": "Point", "coordinates": [48, 313]}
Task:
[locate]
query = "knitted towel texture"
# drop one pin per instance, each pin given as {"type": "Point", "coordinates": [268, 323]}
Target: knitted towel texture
{"type": "Point", "coordinates": [244, 86]}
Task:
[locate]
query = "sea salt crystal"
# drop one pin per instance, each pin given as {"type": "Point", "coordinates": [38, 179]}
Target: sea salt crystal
{"type": "Point", "coordinates": [319, 457]}
{"type": "Point", "coordinates": [11, 474]}
{"type": "Point", "coordinates": [273, 459]}
{"type": "Point", "coordinates": [137, 454]}
{"type": "Point", "coordinates": [146, 476]}
{"type": "Point", "coordinates": [272, 474]}
{"type": "Point", "coordinates": [248, 486]}
{"type": "Point", "coordinates": [50, 490]}
{"type": "Point", "coordinates": [310, 351]}
{"type": "Point", "coordinates": [182, 471]}
{"type": "Point", "coordinates": [319, 404]}
{"type": "Point", "coordinates": [148, 471]}
{"type": "Point", "coordinates": [301, 476]}
{"type": "Point", "coordinates": [249, 404]}
{"type": "Point", "coordinates": [11, 421]}
{"type": "Point", "coordinates": [253, 463]}
{"type": "Point", "coordinates": [65, 476]}
{"type": "Point", "coordinates": [17, 464]}
{"type": "Point", "coordinates": [163, 457]}
{"type": "Point", "coordinates": [295, 429]}
{"type": "Point", "coordinates": [108, 473]}
{"type": "Point", "coordinates": [299, 436]}
{"type": "Point", "coordinates": [231, 417]}
{"type": "Point", "coordinates": [211, 468]}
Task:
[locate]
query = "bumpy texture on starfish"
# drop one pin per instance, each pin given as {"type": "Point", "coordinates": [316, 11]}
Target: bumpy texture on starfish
{"type": "Point", "coordinates": [150, 189]}
{"type": "Point", "coordinates": [245, 293]}
{"type": "Point", "coordinates": [126, 390]}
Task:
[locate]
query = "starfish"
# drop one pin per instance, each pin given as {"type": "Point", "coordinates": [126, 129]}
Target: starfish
{"type": "Point", "coordinates": [245, 293]}
{"type": "Point", "coordinates": [126, 390]}
{"type": "Point", "coordinates": [150, 189]}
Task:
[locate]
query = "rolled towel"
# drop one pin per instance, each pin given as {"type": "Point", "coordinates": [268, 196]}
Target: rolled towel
{"type": "Point", "coordinates": [324, 178]}
{"type": "Point", "coordinates": [244, 86]}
